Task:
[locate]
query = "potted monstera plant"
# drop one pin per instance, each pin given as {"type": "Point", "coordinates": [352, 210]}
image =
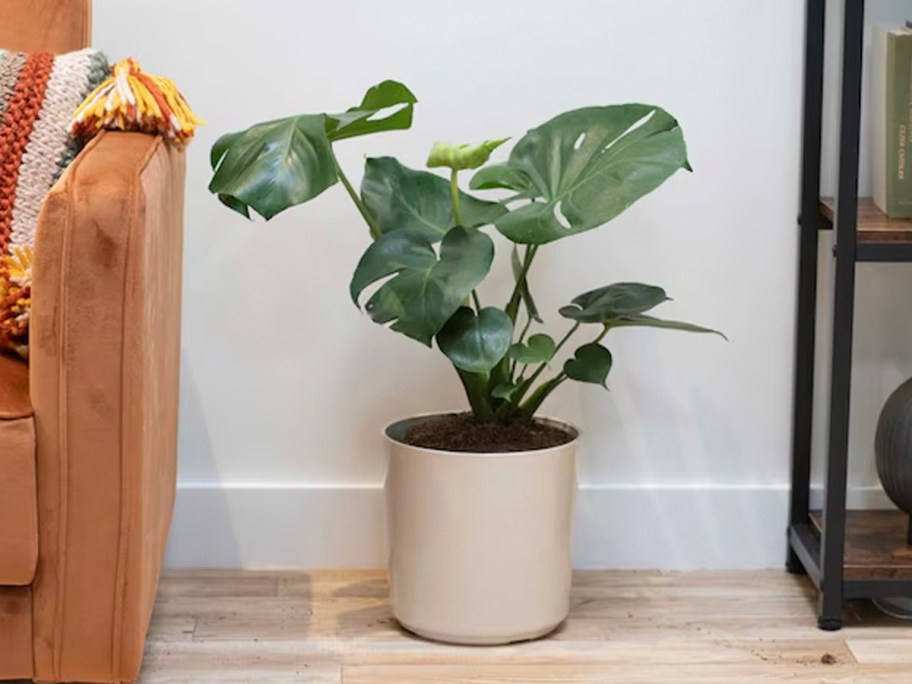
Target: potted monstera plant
{"type": "Point", "coordinates": [479, 501]}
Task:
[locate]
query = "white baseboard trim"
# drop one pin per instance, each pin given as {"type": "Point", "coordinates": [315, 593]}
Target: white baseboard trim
{"type": "Point", "coordinates": [272, 526]}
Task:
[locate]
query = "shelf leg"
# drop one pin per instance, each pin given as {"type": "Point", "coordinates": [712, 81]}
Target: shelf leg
{"type": "Point", "coordinates": [834, 510]}
{"type": "Point", "coordinates": [803, 399]}
{"type": "Point", "coordinates": [909, 532]}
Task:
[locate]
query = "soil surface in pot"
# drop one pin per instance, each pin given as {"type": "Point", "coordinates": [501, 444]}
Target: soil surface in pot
{"type": "Point", "coordinates": [464, 432]}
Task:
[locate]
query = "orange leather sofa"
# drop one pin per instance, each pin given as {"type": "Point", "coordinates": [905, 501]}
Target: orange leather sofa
{"type": "Point", "coordinates": [88, 429]}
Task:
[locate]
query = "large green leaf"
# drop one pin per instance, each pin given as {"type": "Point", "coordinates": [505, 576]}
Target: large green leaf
{"type": "Point", "coordinates": [400, 198]}
{"type": "Point", "coordinates": [590, 363]}
{"type": "Point", "coordinates": [476, 343]}
{"type": "Point", "coordinates": [537, 349]}
{"type": "Point", "coordinates": [622, 305]}
{"type": "Point", "coordinates": [607, 304]}
{"type": "Point", "coordinates": [361, 120]}
{"type": "Point", "coordinates": [588, 166]}
{"type": "Point", "coordinates": [426, 290]}
{"type": "Point", "coordinates": [273, 166]}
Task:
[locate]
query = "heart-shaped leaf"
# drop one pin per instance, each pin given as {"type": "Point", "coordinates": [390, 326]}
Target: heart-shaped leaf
{"type": "Point", "coordinates": [642, 321]}
{"type": "Point", "coordinates": [360, 120]}
{"type": "Point", "coordinates": [400, 198]}
{"type": "Point", "coordinates": [537, 349]}
{"type": "Point", "coordinates": [589, 165]}
{"type": "Point", "coordinates": [590, 363]}
{"type": "Point", "coordinates": [273, 166]}
{"type": "Point", "coordinates": [609, 303]}
{"type": "Point", "coordinates": [476, 343]}
{"type": "Point", "coordinates": [426, 290]}
{"type": "Point", "coordinates": [524, 291]}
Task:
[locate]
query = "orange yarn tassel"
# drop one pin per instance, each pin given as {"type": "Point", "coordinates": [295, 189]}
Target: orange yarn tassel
{"type": "Point", "coordinates": [135, 101]}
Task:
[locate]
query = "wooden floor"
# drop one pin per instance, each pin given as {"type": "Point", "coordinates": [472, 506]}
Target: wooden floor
{"type": "Point", "coordinates": [625, 628]}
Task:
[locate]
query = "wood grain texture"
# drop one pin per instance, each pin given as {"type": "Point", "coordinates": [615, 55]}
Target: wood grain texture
{"type": "Point", "coordinates": [875, 544]}
{"type": "Point", "coordinates": [873, 224]}
{"type": "Point", "coordinates": [625, 627]}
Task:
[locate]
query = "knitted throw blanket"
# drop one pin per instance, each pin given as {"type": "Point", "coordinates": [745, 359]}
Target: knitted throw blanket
{"type": "Point", "coordinates": [38, 94]}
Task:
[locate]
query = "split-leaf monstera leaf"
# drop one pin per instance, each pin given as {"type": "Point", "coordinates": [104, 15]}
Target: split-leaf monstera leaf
{"type": "Point", "coordinates": [584, 168]}
{"type": "Point", "coordinates": [275, 165]}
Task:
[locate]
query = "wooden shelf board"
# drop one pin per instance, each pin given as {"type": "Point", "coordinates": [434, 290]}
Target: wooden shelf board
{"type": "Point", "coordinates": [873, 224]}
{"type": "Point", "coordinates": [876, 545]}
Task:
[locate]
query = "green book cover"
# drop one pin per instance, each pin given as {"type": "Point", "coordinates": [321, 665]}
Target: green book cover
{"type": "Point", "coordinates": [899, 124]}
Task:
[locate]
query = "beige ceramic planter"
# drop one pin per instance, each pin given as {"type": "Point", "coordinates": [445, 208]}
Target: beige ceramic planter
{"type": "Point", "coordinates": [479, 543]}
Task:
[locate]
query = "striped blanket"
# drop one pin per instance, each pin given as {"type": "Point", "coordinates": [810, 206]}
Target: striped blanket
{"type": "Point", "coordinates": [38, 94]}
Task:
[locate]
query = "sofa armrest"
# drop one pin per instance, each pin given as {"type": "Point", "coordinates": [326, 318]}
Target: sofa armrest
{"type": "Point", "coordinates": [104, 345]}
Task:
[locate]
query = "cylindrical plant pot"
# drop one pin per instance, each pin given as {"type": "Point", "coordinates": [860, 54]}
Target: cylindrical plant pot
{"type": "Point", "coordinates": [893, 447]}
{"type": "Point", "coordinates": [479, 542]}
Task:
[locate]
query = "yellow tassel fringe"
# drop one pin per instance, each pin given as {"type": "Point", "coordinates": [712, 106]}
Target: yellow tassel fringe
{"type": "Point", "coordinates": [135, 101]}
{"type": "Point", "coordinates": [16, 299]}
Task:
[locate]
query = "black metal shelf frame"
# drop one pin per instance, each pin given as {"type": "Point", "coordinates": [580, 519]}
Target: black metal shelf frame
{"type": "Point", "coordinates": [822, 557]}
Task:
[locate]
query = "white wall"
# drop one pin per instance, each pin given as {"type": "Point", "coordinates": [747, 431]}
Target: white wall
{"type": "Point", "coordinates": [286, 386]}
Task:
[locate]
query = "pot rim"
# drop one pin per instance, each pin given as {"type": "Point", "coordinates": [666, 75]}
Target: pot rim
{"type": "Point", "coordinates": [480, 454]}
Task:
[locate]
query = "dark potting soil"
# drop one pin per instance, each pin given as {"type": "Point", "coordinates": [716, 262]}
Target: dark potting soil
{"type": "Point", "coordinates": [464, 432]}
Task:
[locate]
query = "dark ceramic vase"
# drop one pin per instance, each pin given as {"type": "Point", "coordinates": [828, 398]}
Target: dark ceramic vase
{"type": "Point", "coordinates": [893, 446]}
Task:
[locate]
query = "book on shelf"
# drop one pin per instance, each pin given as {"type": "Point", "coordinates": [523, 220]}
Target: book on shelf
{"type": "Point", "coordinates": [891, 121]}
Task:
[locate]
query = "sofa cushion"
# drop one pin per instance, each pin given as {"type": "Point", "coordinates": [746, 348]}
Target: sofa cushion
{"type": "Point", "coordinates": [18, 498]}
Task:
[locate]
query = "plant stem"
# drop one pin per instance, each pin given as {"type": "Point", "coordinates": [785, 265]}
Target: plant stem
{"type": "Point", "coordinates": [454, 195]}
{"type": "Point", "coordinates": [527, 410]}
{"type": "Point", "coordinates": [477, 301]}
{"type": "Point", "coordinates": [522, 336]}
{"type": "Point", "coordinates": [541, 368]}
{"type": "Point", "coordinates": [475, 385]}
{"type": "Point", "coordinates": [531, 405]}
{"type": "Point", "coordinates": [512, 308]}
{"type": "Point", "coordinates": [525, 329]}
{"type": "Point", "coordinates": [365, 214]}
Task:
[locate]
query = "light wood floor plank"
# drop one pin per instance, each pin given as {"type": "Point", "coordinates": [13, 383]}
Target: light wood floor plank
{"type": "Point", "coordinates": [631, 673]}
{"type": "Point", "coordinates": [896, 651]}
{"type": "Point", "coordinates": [625, 627]}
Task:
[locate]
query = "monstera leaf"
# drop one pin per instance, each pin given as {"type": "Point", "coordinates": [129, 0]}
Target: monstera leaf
{"type": "Point", "coordinates": [274, 165]}
{"type": "Point", "coordinates": [476, 343]}
{"type": "Point", "coordinates": [360, 120]}
{"type": "Point", "coordinates": [587, 166]}
{"type": "Point", "coordinates": [622, 305]}
{"type": "Point", "coordinates": [590, 363]}
{"type": "Point", "coordinates": [426, 290]}
{"type": "Point", "coordinates": [400, 198]}
{"type": "Point", "coordinates": [607, 304]}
